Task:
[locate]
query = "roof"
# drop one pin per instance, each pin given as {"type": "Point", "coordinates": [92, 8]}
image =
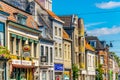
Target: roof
{"type": "Point", "coordinates": [52, 14]}
{"type": "Point", "coordinates": [1, 8]}
{"type": "Point", "coordinates": [12, 11]}
{"type": "Point", "coordinates": [88, 46]}
{"type": "Point", "coordinates": [67, 20]}
{"type": "Point", "coordinates": [98, 44]}
{"type": "Point", "coordinates": [65, 35]}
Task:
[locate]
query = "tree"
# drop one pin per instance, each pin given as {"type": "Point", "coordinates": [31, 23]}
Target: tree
{"type": "Point", "coordinates": [116, 57]}
{"type": "Point", "coordinates": [4, 52]}
{"type": "Point", "coordinates": [75, 71]}
{"type": "Point", "coordinates": [99, 73]}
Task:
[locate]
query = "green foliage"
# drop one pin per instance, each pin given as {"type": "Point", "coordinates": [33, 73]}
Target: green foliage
{"type": "Point", "coordinates": [75, 71]}
{"type": "Point", "coordinates": [4, 52]}
{"type": "Point", "coordinates": [116, 57]}
{"type": "Point", "coordinates": [100, 73]}
{"type": "Point", "coordinates": [116, 76]}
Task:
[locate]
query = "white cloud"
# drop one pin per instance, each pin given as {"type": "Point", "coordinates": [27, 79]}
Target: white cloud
{"type": "Point", "coordinates": [104, 31]}
{"type": "Point", "coordinates": [108, 5]}
{"type": "Point", "coordinates": [94, 24]}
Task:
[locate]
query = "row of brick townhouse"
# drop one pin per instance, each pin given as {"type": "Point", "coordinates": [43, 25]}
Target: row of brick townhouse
{"type": "Point", "coordinates": [44, 46]}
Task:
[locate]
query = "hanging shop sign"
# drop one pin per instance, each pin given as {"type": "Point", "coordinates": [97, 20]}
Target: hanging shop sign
{"type": "Point", "coordinates": [58, 67]}
{"type": "Point", "coordinates": [43, 59]}
{"type": "Point", "coordinates": [26, 50]}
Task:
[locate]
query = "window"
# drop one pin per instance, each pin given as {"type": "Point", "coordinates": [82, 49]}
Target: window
{"type": "Point", "coordinates": [35, 50]}
{"type": "Point", "coordinates": [82, 42]}
{"type": "Point", "coordinates": [51, 55]}
{"type": "Point", "coordinates": [21, 19]}
{"type": "Point", "coordinates": [30, 44]}
{"type": "Point", "coordinates": [90, 60]}
{"type": "Point", "coordinates": [101, 59]}
{"type": "Point", "coordinates": [56, 31]}
{"type": "Point", "coordinates": [42, 51]}
{"type": "Point", "coordinates": [46, 53]}
{"type": "Point", "coordinates": [60, 50]}
{"type": "Point", "coordinates": [60, 32]}
{"type": "Point", "coordinates": [56, 50]}
{"type": "Point", "coordinates": [44, 75]}
{"type": "Point", "coordinates": [11, 44]}
{"type": "Point", "coordinates": [2, 33]}
{"type": "Point", "coordinates": [92, 43]}
{"type": "Point", "coordinates": [23, 43]}
{"type": "Point", "coordinates": [76, 40]}
{"type": "Point", "coordinates": [68, 51]}
{"type": "Point", "coordinates": [65, 51]}
{"type": "Point", "coordinates": [17, 46]}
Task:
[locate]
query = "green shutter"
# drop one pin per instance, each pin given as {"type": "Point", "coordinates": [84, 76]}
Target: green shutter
{"type": "Point", "coordinates": [13, 35]}
{"type": "Point", "coordinates": [30, 40]}
{"type": "Point", "coordinates": [24, 38]}
{"type": "Point", "coordinates": [36, 41]}
{"type": "Point", "coordinates": [19, 37]}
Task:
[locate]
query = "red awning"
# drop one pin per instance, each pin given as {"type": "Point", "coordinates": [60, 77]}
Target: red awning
{"type": "Point", "coordinates": [21, 66]}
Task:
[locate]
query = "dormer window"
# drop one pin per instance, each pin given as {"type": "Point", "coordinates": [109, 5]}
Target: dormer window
{"type": "Point", "coordinates": [21, 19]}
{"type": "Point", "coordinates": [93, 43]}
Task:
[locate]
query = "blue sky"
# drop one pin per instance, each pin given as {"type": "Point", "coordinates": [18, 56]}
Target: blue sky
{"type": "Point", "coordinates": [101, 17]}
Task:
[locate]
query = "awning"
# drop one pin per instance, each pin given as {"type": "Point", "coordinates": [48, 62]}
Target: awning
{"type": "Point", "coordinates": [22, 66]}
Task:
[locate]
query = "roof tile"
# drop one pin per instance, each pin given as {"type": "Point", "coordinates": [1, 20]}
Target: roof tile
{"type": "Point", "coordinates": [65, 35]}
{"type": "Point", "coordinates": [12, 10]}
{"type": "Point", "coordinates": [88, 46]}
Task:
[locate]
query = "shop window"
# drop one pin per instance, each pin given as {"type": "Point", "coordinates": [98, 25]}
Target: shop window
{"type": "Point", "coordinates": [44, 75]}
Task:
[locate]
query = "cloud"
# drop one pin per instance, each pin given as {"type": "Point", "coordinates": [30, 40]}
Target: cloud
{"type": "Point", "coordinates": [108, 5]}
{"type": "Point", "coordinates": [104, 31]}
{"type": "Point", "coordinates": [93, 24]}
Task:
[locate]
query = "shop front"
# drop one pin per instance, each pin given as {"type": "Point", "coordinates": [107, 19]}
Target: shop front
{"type": "Point", "coordinates": [21, 70]}
{"type": "Point", "coordinates": [67, 74]}
{"type": "Point", "coordinates": [58, 71]}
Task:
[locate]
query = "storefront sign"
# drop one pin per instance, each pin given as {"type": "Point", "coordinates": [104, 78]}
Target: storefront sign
{"type": "Point", "coordinates": [24, 62]}
{"type": "Point", "coordinates": [58, 67]}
